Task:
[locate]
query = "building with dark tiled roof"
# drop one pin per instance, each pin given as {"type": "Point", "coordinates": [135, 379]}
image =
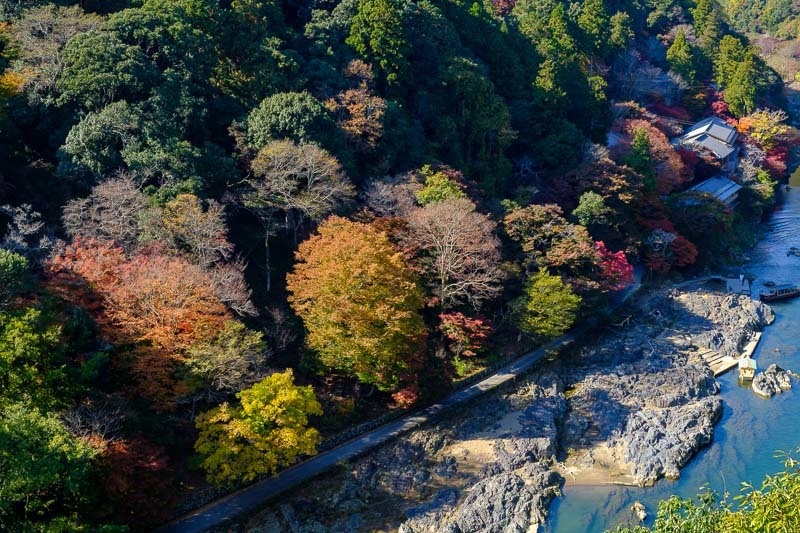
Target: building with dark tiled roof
{"type": "Point", "coordinates": [713, 137]}
{"type": "Point", "coordinates": [721, 188]}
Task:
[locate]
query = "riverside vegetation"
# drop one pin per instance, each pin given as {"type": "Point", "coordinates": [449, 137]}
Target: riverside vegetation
{"type": "Point", "coordinates": [234, 228]}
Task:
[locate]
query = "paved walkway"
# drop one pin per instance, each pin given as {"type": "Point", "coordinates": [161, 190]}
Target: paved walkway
{"type": "Point", "coordinates": [252, 498]}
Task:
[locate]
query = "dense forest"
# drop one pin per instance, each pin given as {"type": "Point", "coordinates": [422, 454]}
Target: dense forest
{"type": "Point", "coordinates": [232, 228]}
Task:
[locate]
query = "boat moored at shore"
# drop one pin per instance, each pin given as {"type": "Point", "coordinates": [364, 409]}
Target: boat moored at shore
{"type": "Point", "coordinates": [779, 292]}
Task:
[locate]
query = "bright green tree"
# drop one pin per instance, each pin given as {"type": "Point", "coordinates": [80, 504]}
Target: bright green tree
{"type": "Point", "coordinates": [31, 366]}
{"type": "Point", "coordinates": [265, 432]}
{"type": "Point", "coordinates": [592, 209]}
{"type": "Point", "coordinates": [42, 466]}
{"type": "Point", "coordinates": [360, 303]}
{"type": "Point", "coordinates": [15, 276]}
{"type": "Point", "coordinates": [438, 187]}
{"type": "Point", "coordinates": [681, 59]}
{"type": "Point", "coordinates": [547, 308]}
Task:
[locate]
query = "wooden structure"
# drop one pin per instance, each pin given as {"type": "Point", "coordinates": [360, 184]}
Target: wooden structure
{"type": "Point", "coordinates": [713, 138]}
{"type": "Point", "coordinates": [747, 369]}
{"type": "Point", "coordinates": [779, 292]}
{"type": "Point", "coordinates": [721, 188]}
{"type": "Point", "coordinates": [740, 285]}
{"type": "Point", "coordinates": [718, 363]}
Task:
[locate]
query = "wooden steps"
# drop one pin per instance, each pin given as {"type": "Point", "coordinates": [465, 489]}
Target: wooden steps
{"type": "Point", "coordinates": [718, 363]}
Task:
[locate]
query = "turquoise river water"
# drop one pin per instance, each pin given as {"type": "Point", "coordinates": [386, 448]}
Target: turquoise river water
{"type": "Point", "coordinates": [751, 430]}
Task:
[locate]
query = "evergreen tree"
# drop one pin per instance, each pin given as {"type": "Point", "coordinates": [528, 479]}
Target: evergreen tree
{"type": "Point", "coordinates": [740, 94]}
{"type": "Point", "coordinates": [681, 59]}
{"type": "Point", "coordinates": [621, 30]}
{"type": "Point", "coordinates": [595, 25]}
{"type": "Point", "coordinates": [640, 159]}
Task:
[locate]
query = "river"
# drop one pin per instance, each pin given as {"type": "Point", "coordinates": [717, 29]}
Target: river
{"type": "Point", "coordinates": [751, 429]}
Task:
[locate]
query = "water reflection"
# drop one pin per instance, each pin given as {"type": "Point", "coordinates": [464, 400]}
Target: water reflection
{"type": "Point", "coordinates": [751, 429]}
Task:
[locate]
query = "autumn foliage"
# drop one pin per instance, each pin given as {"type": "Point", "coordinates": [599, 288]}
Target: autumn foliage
{"type": "Point", "coordinates": [671, 172]}
{"type": "Point", "coordinates": [616, 271]}
{"type": "Point", "coordinates": [160, 305]}
{"type": "Point", "coordinates": [359, 302]}
{"type": "Point", "coordinates": [266, 431]}
{"type": "Point", "coordinates": [465, 336]}
{"type": "Point", "coordinates": [137, 473]}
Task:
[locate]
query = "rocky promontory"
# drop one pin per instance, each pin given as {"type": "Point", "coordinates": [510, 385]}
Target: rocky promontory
{"type": "Point", "coordinates": [774, 380]}
{"type": "Point", "coordinates": [630, 405]}
{"type": "Point", "coordinates": [642, 397]}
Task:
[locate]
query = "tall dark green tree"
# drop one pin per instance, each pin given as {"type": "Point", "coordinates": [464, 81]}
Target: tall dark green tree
{"type": "Point", "coordinates": [741, 92]}
{"type": "Point", "coordinates": [595, 24]}
{"type": "Point", "coordinates": [378, 35]}
{"type": "Point", "coordinates": [681, 59]}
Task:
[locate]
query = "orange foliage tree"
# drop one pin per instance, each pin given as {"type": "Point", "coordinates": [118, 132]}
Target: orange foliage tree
{"type": "Point", "coordinates": [161, 305]}
{"type": "Point", "coordinates": [359, 112]}
{"type": "Point", "coordinates": [360, 303]}
{"type": "Point", "coordinates": [671, 171]}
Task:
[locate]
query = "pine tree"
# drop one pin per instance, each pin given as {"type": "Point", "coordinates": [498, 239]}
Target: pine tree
{"type": "Point", "coordinates": [740, 93]}
{"type": "Point", "coordinates": [681, 59]}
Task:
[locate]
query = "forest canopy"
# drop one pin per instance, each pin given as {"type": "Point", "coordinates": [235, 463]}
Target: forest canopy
{"type": "Point", "coordinates": [231, 230]}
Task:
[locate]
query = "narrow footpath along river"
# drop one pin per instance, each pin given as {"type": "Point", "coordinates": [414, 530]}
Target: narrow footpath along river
{"type": "Point", "coordinates": [751, 430]}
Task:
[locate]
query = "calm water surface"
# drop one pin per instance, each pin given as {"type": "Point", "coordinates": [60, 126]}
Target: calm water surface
{"type": "Point", "coordinates": [751, 430]}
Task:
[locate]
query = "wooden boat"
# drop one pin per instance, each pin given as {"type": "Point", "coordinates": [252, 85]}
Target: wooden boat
{"type": "Point", "coordinates": [779, 292]}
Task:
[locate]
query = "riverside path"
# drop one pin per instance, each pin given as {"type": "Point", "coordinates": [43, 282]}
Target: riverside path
{"type": "Point", "coordinates": [250, 499]}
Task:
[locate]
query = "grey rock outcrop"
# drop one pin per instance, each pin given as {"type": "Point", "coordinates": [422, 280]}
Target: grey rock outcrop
{"type": "Point", "coordinates": [660, 442]}
{"type": "Point", "coordinates": [538, 438]}
{"type": "Point", "coordinates": [727, 322]}
{"type": "Point", "coordinates": [642, 396]}
{"type": "Point", "coordinates": [772, 381]}
{"type": "Point", "coordinates": [506, 503]}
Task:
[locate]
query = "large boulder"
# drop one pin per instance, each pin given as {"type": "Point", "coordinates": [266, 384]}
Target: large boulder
{"type": "Point", "coordinates": [501, 503]}
{"type": "Point", "coordinates": [772, 381]}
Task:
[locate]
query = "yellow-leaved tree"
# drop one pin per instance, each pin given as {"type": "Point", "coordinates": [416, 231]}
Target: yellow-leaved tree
{"type": "Point", "coordinates": [267, 431]}
{"type": "Point", "coordinates": [360, 303]}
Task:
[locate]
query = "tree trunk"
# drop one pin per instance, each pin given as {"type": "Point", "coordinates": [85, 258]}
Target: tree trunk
{"type": "Point", "coordinates": [267, 230]}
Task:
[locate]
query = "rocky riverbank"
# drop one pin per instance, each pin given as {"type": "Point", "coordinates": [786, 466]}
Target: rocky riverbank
{"type": "Point", "coordinates": [643, 401]}
{"type": "Point", "coordinates": [632, 406]}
